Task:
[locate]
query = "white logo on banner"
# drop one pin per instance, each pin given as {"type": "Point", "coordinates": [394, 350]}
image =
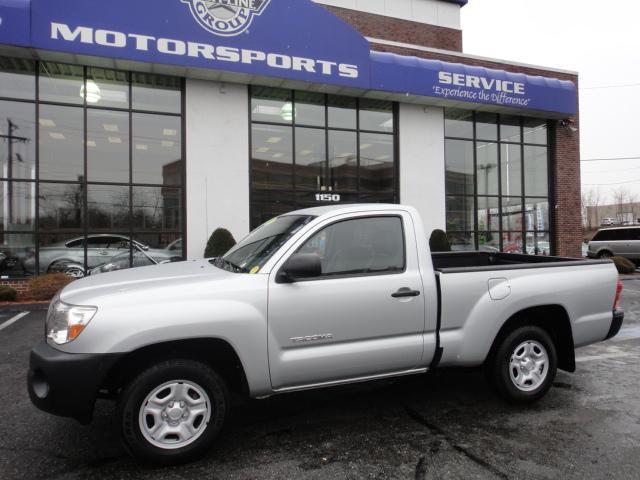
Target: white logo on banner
{"type": "Point", "coordinates": [226, 17]}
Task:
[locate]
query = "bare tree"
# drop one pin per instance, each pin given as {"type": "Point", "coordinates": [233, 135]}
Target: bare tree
{"type": "Point", "coordinates": [590, 203]}
{"type": "Point", "coordinates": [621, 198]}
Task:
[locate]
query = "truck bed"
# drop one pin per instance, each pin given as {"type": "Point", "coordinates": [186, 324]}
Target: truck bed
{"type": "Point", "coordinates": [458, 262]}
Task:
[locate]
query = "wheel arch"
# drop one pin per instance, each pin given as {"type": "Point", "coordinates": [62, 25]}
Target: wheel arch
{"type": "Point", "coordinates": [213, 352]}
{"type": "Point", "coordinates": [553, 319]}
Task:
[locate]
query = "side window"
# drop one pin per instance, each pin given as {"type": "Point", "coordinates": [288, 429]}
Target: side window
{"type": "Point", "coordinates": [78, 243]}
{"type": "Point", "coordinates": [364, 245]}
{"type": "Point", "coordinates": [97, 242]}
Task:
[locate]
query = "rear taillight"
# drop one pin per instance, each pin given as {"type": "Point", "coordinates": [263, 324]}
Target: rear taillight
{"type": "Point", "coordinates": [616, 301]}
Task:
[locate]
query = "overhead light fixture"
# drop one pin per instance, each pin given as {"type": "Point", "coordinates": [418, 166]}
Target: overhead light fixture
{"type": "Point", "coordinates": [56, 135]}
{"type": "Point", "coordinates": [45, 122]}
{"type": "Point", "coordinates": [364, 146]}
{"type": "Point", "coordinates": [142, 146]}
{"type": "Point", "coordinates": [90, 92]}
{"type": "Point", "coordinates": [167, 143]}
{"type": "Point", "coordinates": [274, 139]}
{"type": "Point", "coordinates": [110, 127]}
{"type": "Point", "coordinates": [170, 132]}
{"type": "Point", "coordinates": [262, 149]}
{"type": "Point", "coordinates": [278, 155]}
{"type": "Point", "coordinates": [287, 111]}
{"type": "Point", "coordinates": [116, 140]}
{"type": "Point", "coordinates": [91, 143]}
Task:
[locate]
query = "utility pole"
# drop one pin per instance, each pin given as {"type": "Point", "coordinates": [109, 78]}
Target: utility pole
{"type": "Point", "coordinates": [11, 139]}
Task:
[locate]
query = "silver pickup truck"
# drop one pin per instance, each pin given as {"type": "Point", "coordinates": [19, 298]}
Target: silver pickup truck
{"type": "Point", "coordinates": [315, 298]}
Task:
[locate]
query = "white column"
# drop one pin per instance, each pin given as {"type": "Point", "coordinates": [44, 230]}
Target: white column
{"type": "Point", "coordinates": [422, 171]}
{"type": "Point", "coordinates": [217, 133]}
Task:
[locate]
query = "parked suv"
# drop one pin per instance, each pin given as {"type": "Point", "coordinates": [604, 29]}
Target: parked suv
{"type": "Point", "coordinates": [619, 241]}
{"type": "Point", "coordinates": [608, 222]}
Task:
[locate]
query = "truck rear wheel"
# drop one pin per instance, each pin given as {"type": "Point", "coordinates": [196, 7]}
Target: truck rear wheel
{"type": "Point", "coordinates": [524, 365]}
{"type": "Point", "coordinates": [172, 412]}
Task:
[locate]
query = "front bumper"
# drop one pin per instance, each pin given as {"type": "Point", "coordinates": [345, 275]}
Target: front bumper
{"type": "Point", "coordinates": [66, 384]}
{"type": "Point", "coordinates": [616, 324]}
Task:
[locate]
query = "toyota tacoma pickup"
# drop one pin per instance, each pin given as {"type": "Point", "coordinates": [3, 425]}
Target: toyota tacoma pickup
{"type": "Point", "coordinates": [311, 299]}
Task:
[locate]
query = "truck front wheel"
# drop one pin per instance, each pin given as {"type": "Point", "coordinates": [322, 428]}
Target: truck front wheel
{"type": "Point", "coordinates": [172, 412]}
{"type": "Point", "coordinates": [524, 365]}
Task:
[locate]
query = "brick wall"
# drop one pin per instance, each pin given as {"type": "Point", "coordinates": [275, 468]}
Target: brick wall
{"type": "Point", "coordinates": [566, 156]}
{"type": "Point", "coordinates": [21, 286]}
{"type": "Point", "coordinates": [398, 30]}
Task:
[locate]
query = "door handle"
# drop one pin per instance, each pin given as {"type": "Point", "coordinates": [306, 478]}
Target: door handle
{"type": "Point", "coordinates": [405, 292]}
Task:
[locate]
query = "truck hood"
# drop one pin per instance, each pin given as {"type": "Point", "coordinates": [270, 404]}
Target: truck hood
{"type": "Point", "coordinates": [175, 276]}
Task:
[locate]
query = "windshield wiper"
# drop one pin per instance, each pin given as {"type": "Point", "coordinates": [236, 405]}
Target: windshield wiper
{"type": "Point", "coordinates": [220, 262]}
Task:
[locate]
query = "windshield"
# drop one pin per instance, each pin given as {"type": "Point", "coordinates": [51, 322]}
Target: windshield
{"type": "Point", "coordinates": [256, 249]}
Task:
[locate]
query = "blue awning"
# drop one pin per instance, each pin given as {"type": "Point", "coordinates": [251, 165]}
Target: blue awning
{"type": "Point", "coordinates": [458, 83]}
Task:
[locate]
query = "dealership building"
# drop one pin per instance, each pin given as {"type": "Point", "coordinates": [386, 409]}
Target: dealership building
{"type": "Point", "coordinates": [162, 121]}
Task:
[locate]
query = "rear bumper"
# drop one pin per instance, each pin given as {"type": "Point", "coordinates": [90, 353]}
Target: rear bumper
{"type": "Point", "coordinates": [616, 324]}
{"type": "Point", "coordinates": [66, 384]}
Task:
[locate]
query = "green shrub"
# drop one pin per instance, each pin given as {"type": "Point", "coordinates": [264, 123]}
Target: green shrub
{"type": "Point", "coordinates": [220, 242]}
{"type": "Point", "coordinates": [8, 294]}
{"type": "Point", "coordinates": [46, 286]}
{"type": "Point", "coordinates": [439, 241]}
{"type": "Point", "coordinates": [624, 265]}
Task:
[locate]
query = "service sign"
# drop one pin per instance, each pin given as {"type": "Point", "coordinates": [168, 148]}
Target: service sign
{"type": "Point", "coordinates": [15, 16]}
{"type": "Point", "coordinates": [292, 39]}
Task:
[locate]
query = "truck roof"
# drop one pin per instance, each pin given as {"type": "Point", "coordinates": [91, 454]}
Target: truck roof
{"type": "Point", "coordinates": [350, 208]}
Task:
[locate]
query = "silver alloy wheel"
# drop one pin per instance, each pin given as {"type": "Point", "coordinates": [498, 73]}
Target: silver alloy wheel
{"type": "Point", "coordinates": [74, 272]}
{"type": "Point", "coordinates": [175, 414]}
{"type": "Point", "coordinates": [529, 365]}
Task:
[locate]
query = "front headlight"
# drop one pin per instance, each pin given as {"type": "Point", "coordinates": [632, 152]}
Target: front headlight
{"type": "Point", "coordinates": [65, 322]}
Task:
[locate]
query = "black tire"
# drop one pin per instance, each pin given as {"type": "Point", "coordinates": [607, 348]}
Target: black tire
{"type": "Point", "coordinates": [605, 254]}
{"type": "Point", "coordinates": [132, 400]}
{"type": "Point", "coordinates": [499, 371]}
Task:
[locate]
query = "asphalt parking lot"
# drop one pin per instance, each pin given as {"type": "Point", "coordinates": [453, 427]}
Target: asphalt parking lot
{"type": "Point", "coordinates": [448, 425]}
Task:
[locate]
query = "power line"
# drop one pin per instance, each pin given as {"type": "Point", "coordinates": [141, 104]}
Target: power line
{"type": "Point", "coordinates": [628, 85]}
{"type": "Point", "coordinates": [637, 180]}
{"type": "Point", "coordinates": [608, 159]}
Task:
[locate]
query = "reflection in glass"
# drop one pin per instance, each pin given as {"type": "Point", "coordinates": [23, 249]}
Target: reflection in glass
{"type": "Point", "coordinates": [486, 126]}
{"type": "Point", "coordinates": [309, 109]}
{"type": "Point", "coordinates": [107, 146]}
{"type": "Point", "coordinates": [343, 161]}
{"type": "Point", "coordinates": [310, 158]}
{"type": "Point", "coordinates": [271, 105]}
{"type": "Point", "coordinates": [60, 206]}
{"type": "Point", "coordinates": [103, 248]}
{"type": "Point", "coordinates": [537, 214]}
{"type": "Point", "coordinates": [17, 254]}
{"type": "Point", "coordinates": [487, 162]}
{"type": "Point", "coordinates": [536, 179]}
{"type": "Point", "coordinates": [17, 140]}
{"type": "Point", "coordinates": [512, 213]}
{"type": "Point", "coordinates": [488, 214]}
{"type": "Point", "coordinates": [535, 131]}
{"type": "Point", "coordinates": [268, 204]}
{"type": "Point", "coordinates": [377, 163]}
{"type": "Point", "coordinates": [157, 208]}
{"type": "Point", "coordinates": [61, 143]}
{"type": "Point", "coordinates": [271, 157]}
{"type": "Point", "coordinates": [376, 115]}
{"type": "Point", "coordinates": [538, 243]}
{"type": "Point", "coordinates": [461, 241]}
{"type": "Point", "coordinates": [512, 242]}
{"type": "Point", "coordinates": [63, 83]}
{"type": "Point", "coordinates": [108, 207]}
{"type": "Point", "coordinates": [460, 213]}
{"type": "Point", "coordinates": [17, 205]}
{"type": "Point", "coordinates": [156, 93]}
{"type": "Point", "coordinates": [107, 88]}
{"type": "Point", "coordinates": [459, 167]}
{"type": "Point", "coordinates": [61, 252]}
{"type": "Point", "coordinates": [511, 159]}
{"type": "Point", "coordinates": [342, 112]}
{"type": "Point", "coordinates": [458, 123]}
{"type": "Point", "coordinates": [157, 149]}
{"type": "Point", "coordinates": [510, 129]}
{"type": "Point", "coordinates": [489, 241]}
{"type": "Point", "coordinates": [17, 78]}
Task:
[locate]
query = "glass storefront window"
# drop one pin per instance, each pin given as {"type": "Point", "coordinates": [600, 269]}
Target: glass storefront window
{"type": "Point", "coordinates": [333, 161]}
{"type": "Point", "coordinates": [17, 78]}
{"type": "Point", "coordinates": [461, 241]}
{"type": "Point", "coordinates": [156, 93]}
{"type": "Point", "coordinates": [459, 177]}
{"type": "Point", "coordinates": [61, 143]}
{"type": "Point", "coordinates": [62, 83]}
{"type": "Point", "coordinates": [17, 140]}
{"type": "Point", "coordinates": [107, 88]}
{"type": "Point", "coordinates": [157, 149]}
{"type": "Point", "coordinates": [94, 171]}
{"type": "Point", "coordinates": [504, 211]}
{"type": "Point", "coordinates": [107, 146]}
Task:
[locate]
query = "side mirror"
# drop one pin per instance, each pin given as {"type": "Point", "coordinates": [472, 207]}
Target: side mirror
{"type": "Point", "coordinates": [299, 266]}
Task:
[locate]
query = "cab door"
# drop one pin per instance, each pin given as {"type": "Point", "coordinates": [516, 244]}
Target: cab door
{"type": "Point", "coordinates": [363, 316]}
